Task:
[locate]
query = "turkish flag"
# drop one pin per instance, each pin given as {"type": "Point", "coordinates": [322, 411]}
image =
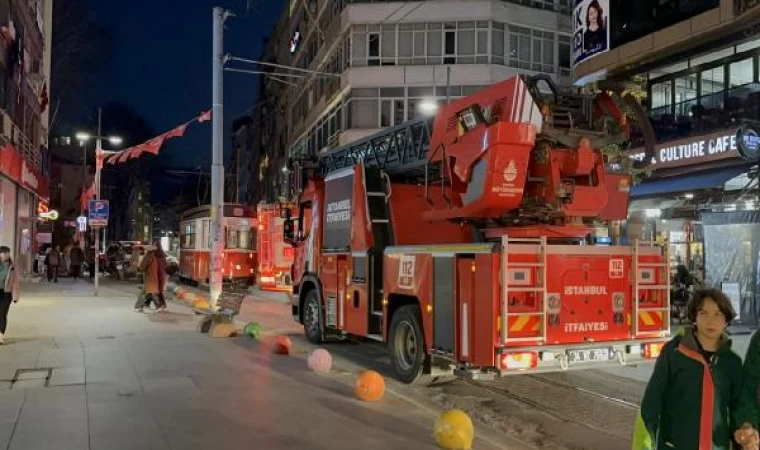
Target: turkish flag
{"type": "Point", "coordinates": [152, 146]}
{"type": "Point", "coordinates": [205, 116]}
{"type": "Point", "coordinates": [86, 196]}
{"type": "Point", "coordinates": [177, 132]}
{"type": "Point", "coordinates": [113, 159]}
{"type": "Point", "coordinates": [125, 154]}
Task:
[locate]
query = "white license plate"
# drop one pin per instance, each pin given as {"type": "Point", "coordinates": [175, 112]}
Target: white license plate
{"type": "Point", "coordinates": [119, 267]}
{"type": "Point", "coordinates": [590, 355]}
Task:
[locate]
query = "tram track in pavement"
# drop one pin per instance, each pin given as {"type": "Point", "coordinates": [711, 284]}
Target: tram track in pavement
{"type": "Point", "coordinates": [596, 411]}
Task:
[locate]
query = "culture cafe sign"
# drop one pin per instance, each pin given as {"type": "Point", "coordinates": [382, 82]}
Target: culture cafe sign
{"type": "Point", "coordinates": [739, 143]}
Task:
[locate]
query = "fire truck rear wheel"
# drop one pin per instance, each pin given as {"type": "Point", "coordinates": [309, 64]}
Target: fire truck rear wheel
{"type": "Point", "coordinates": [407, 345]}
{"type": "Point", "coordinates": [312, 317]}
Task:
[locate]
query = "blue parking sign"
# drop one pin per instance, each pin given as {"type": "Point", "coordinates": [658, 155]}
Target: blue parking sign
{"type": "Point", "coordinates": [98, 213]}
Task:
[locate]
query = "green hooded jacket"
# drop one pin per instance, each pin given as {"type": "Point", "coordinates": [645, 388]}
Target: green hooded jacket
{"type": "Point", "coordinates": [689, 402]}
{"type": "Point", "coordinates": [749, 410]}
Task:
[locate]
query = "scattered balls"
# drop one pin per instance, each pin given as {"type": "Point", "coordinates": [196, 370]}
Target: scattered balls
{"type": "Point", "coordinates": [201, 303]}
{"type": "Point", "coordinates": [320, 361]}
{"type": "Point", "coordinates": [370, 386]}
{"type": "Point", "coordinates": [453, 430]}
{"type": "Point", "coordinates": [281, 345]}
{"type": "Point", "coordinates": [252, 330]}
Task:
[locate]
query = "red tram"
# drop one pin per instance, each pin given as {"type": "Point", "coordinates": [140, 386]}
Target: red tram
{"type": "Point", "coordinates": [240, 259]}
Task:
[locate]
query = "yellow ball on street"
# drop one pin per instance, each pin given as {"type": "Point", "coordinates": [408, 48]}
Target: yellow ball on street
{"type": "Point", "coordinates": [453, 430]}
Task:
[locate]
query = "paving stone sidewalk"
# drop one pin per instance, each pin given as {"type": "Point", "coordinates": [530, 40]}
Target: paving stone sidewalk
{"type": "Point", "coordinates": [82, 372]}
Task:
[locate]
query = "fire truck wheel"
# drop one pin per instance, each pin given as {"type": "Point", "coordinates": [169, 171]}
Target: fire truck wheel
{"type": "Point", "coordinates": [407, 345]}
{"type": "Point", "coordinates": [312, 317]}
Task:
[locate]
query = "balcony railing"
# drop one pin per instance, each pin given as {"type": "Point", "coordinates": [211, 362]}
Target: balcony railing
{"type": "Point", "coordinates": [11, 134]}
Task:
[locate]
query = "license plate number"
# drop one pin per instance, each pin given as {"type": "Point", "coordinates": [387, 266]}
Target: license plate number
{"type": "Point", "coordinates": [589, 355]}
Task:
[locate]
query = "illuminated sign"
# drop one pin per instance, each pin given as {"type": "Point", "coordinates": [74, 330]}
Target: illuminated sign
{"type": "Point", "coordinates": [295, 41]}
{"type": "Point", "coordinates": [742, 143]}
{"type": "Point", "coordinates": [82, 222]}
{"type": "Point", "coordinates": [51, 215]}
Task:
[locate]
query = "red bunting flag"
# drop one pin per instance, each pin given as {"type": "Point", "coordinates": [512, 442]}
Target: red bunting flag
{"type": "Point", "coordinates": [124, 155]}
{"type": "Point", "coordinates": [177, 132]}
{"type": "Point", "coordinates": [205, 116]}
{"type": "Point", "coordinates": [86, 196]}
{"type": "Point", "coordinates": [153, 146]}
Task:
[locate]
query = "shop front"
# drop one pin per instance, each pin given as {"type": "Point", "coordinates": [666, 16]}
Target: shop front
{"type": "Point", "coordinates": [22, 191]}
{"type": "Point", "coordinates": [702, 198]}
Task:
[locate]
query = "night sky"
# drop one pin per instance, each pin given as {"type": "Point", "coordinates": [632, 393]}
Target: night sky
{"type": "Point", "coordinates": [163, 64]}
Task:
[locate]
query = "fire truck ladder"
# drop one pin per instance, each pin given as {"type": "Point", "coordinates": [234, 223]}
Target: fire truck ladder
{"type": "Point", "coordinates": [378, 193]}
{"type": "Point", "coordinates": [640, 285]}
{"type": "Point", "coordinates": [402, 149]}
{"type": "Point", "coordinates": [539, 287]}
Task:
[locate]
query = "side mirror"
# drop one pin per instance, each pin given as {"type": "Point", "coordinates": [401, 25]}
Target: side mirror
{"type": "Point", "coordinates": [288, 231]}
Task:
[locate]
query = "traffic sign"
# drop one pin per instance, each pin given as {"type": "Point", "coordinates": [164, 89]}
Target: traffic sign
{"type": "Point", "coordinates": [98, 213]}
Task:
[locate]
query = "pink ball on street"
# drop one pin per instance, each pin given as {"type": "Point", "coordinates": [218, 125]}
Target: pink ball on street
{"type": "Point", "coordinates": [320, 361]}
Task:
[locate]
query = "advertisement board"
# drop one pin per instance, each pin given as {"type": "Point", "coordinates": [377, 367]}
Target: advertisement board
{"type": "Point", "coordinates": [591, 31]}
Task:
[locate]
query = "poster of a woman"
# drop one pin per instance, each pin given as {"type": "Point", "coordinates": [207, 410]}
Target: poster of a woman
{"type": "Point", "coordinates": [591, 29]}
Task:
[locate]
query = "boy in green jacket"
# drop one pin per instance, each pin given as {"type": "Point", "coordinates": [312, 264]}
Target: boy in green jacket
{"type": "Point", "coordinates": [695, 387]}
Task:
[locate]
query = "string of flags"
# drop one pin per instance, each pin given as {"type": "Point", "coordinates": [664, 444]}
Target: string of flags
{"type": "Point", "coordinates": [152, 146]}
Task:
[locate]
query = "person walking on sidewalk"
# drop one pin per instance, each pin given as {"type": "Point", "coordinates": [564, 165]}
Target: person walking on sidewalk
{"type": "Point", "coordinates": [10, 288]}
{"type": "Point", "coordinates": [153, 267]}
{"type": "Point", "coordinates": [76, 258]}
{"type": "Point", "coordinates": [53, 261]}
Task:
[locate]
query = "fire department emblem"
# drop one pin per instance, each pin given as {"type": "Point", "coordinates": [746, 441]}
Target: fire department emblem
{"type": "Point", "coordinates": [510, 173]}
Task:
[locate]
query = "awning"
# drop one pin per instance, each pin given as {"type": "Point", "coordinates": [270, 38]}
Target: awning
{"type": "Point", "coordinates": [685, 183]}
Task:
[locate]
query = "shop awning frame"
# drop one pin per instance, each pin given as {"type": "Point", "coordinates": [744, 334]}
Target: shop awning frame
{"type": "Point", "coordinates": [708, 179]}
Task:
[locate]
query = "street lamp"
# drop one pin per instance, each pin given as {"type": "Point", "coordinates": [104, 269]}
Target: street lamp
{"type": "Point", "coordinates": [428, 107]}
{"type": "Point", "coordinates": [115, 140]}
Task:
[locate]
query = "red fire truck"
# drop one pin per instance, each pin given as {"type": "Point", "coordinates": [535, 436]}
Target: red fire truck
{"type": "Point", "coordinates": [275, 256]}
{"type": "Point", "coordinates": [476, 241]}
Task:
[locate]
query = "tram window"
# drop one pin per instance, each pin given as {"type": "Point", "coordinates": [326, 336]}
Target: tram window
{"type": "Point", "coordinates": [240, 239]}
{"type": "Point", "coordinates": [188, 236]}
{"type": "Point", "coordinates": [232, 237]}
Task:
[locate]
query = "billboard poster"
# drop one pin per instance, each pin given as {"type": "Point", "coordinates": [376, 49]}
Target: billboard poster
{"type": "Point", "coordinates": [591, 31]}
{"type": "Point", "coordinates": [338, 203]}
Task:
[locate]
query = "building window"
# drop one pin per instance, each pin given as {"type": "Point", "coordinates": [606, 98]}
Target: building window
{"type": "Point", "coordinates": [565, 51]}
{"type": "Point", "coordinates": [519, 47]}
{"type": "Point", "coordinates": [373, 49]}
{"type": "Point", "coordinates": [661, 97]}
{"type": "Point", "coordinates": [686, 92]}
{"type": "Point", "coordinates": [497, 43]}
{"type": "Point", "coordinates": [742, 72]}
{"type": "Point", "coordinates": [450, 44]}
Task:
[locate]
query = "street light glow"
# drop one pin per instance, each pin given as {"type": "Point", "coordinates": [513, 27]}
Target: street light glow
{"type": "Point", "coordinates": [115, 140]}
{"type": "Point", "coordinates": [83, 136]}
{"type": "Point", "coordinates": [428, 107]}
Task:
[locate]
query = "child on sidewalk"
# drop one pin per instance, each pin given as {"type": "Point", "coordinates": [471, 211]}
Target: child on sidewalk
{"type": "Point", "coordinates": [696, 384]}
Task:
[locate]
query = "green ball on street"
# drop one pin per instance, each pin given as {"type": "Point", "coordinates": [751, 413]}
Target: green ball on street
{"type": "Point", "coordinates": [252, 329]}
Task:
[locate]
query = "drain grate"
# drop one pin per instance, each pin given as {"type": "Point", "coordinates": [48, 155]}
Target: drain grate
{"type": "Point", "coordinates": [27, 378]}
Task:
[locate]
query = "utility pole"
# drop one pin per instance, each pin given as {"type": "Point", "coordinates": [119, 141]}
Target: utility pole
{"type": "Point", "coordinates": [217, 160]}
{"type": "Point", "coordinates": [98, 150]}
